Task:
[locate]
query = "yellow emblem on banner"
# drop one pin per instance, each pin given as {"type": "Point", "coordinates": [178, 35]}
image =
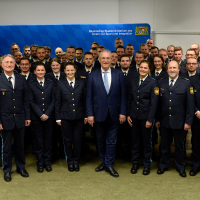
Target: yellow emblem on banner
{"type": "Point", "coordinates": [141, 30]}
{"type": "Point", "coordinates": [156, 91]}
{"type": "Point", "coordinates": [191, 90]}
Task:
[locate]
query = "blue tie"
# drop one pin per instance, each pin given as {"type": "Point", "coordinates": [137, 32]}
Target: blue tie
{"type": "Point", "coordinates": [106, 82]}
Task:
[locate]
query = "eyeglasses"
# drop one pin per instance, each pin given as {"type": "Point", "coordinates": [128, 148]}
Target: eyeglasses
{"type": "Point", "coordinates": [191, 63]}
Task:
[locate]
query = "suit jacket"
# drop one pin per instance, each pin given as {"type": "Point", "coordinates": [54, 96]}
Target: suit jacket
{"type": "Point", "coordinates": [132, 74]}
{"type": "Point", "coordinates": [77, 64]}
{"type": "Point", "coordinates": [47, 67]}
{"type": "Point", "coordinates": [176, 107]}
{"type": "Point", "coordinates": [70, 102]}
{"type": "Point", "coordinates": [143, 99]}
{"type": "Point", "coordinates": [163, 74]}
{"type": "Point", "coordinates": [41, 99]}
{"type": "Point", "coordinates": [98, 103]}
{"type": "Point", "coordinates": [14, 107]}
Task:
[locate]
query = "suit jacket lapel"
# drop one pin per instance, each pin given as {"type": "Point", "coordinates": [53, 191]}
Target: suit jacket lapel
{"type": "Point", "coordinates": [144, 83]}
{"type": "Point", "coordinates": [5, 80]}
{"type": "Point", "coordinates": [67, 85]}
{"type": "Point", "coordinates": [16, 81]}
{"type": "Point", "coordinates": [99, 80]}
{"type": "Point", "coordinates": [177, 83]}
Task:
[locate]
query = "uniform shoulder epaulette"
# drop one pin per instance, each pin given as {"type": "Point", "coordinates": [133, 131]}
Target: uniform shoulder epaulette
{"type": "Point", "coordinates": [82, 76]}
{"type": "Point", "coordinates": [187, 79]}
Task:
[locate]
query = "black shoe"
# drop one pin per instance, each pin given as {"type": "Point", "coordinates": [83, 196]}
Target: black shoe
{"type": "Point", "coordinates": [112, 171]}
{"type": "Point", "coordinates": [134, 168]}
{"type": "Point", "coordinates": [161, 170]}
{"type": "Point", "coordinates": [71, 167]}
{"type": "Point", "coordinates": [23, 172]}
{"type": "Point", "coordinates": [193, 172]}
{"type": "Point", "coordinates": [7, 177]}
{"type": "Point", "coordinates": [182, 174]}
{"type": "Point", "coordinates": [48, 168]}
{"type": "Point", "coordinates": [40, 169]}
{"type": "Point", "coordinates": [76, 168]}
{"type": "Point", "coordinates": [100, 168]}
{"type": "Point", "coordinates": [146, 171]}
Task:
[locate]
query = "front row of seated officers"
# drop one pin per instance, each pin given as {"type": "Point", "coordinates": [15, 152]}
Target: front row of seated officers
{"type": "Point", "coordinates": [110, 96]}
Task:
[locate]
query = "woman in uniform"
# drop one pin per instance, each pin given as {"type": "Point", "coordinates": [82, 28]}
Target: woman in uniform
{"type": "Point", "coordinates": [142, 104]}
{"type": "Point", "coordinates": [70, 113]}
{"type": "Point", "coordinates": [41, 97]}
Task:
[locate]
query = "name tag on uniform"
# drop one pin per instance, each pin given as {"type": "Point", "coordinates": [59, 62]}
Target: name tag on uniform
{"type": "Point", "coordinates": [156, 91]}
{"type": "Point", "coordinates": [3, 91]}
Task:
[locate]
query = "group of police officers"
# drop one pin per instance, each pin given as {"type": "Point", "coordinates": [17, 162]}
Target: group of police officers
{"type": "Point", "coordinates": [159, 97]}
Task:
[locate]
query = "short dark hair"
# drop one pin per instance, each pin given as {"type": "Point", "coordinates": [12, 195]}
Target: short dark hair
{"type": "Point", "coordinates": [88, 53]}
{"type": "Point", "coordinates": [47, 48]}
{"type": "Point", "coordinates": [123, 56]}
{"type": "Point", "coordinates": [39, 64]}
{"type": "Point", "coordinates": [24, 58]}
{"type": "Point", "coordinates": [79, 48]}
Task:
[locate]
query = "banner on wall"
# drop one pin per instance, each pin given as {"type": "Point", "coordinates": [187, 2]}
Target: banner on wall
{"type": "Point", "coordinates": [77, 35]}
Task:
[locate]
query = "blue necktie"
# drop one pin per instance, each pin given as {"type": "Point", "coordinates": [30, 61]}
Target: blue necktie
{"type": "Point", "coordinates": [106, 82]}
{"type": "Point", "coordinates": [171, 85]}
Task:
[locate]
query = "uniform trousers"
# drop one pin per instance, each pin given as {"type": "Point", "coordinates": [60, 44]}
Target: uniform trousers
{"type": "Point", "coordinates": [141, 135]}
{"type": "Point", "coordinates": [196, 144]}
{"type": "Point", "coordinates": [167, 135]}
{"type": "Point", "coordinates": [18, 149]}
{"type": "Point", "coordinates": [72, 131]}
{"type": "Point", "coordinates": [106, 133]}
{"type": "Point", "coordinates": [42, 134]}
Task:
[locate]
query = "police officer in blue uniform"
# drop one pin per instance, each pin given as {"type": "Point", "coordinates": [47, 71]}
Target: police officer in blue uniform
{"type": "Point", "coordinates": [142, 105]}
{"type": "Point", "coordinates": [56, 75]}
{"type": "Point", "coordinates": [70, 113]}
{"type": "Point", "coordinates": [194, 78]}
{"type": "Point", "coordinates": [41, 98]}
{"type": "Point", "coordinates": [175, 114]}
{"type": "Point", "coordinates": [14, 116]}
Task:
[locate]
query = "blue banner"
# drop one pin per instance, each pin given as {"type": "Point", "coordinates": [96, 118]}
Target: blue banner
{"type": "Point", "coordinates": [81, 35]}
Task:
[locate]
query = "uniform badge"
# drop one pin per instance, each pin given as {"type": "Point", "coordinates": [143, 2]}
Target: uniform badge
{"type": "Point", "coordinates": [191, 90]}
{"type": "Point", "coordinates": [156, 91]}
{"type": "Point", "coordinates": [3, 91]}
{"type": "Point", "coordinates": [195, 90]}
{"type": "Point", "coordinates": [82, 77]}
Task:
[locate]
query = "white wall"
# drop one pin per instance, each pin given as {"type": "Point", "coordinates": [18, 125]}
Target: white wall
{"type": "Point", "coordinates": [172, 21]}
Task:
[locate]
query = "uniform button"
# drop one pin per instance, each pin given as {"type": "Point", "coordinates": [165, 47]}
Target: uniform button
{"type": "Point", "coordinates": [138, 90]}
{"type": "Point", "coordinates": [74, 110]}
{"type": "Point", "coordinates": [72, 99]}
{"type": "Point", "coordinates": [170, 108]}
{"type": "Point", "coordinates": [137, 102]}
{"type": "Point", "coordinates": [72, 93]}
{"type": "Point", "coordinates": [170, 115]}
{"type": "Point", "coordinates": [14, 106]}
{"type": "Point", "coordinates": [170, 100]}
{"type": "Point", "coordinates": [43, 104]}
{"type": "Point", "coordinates": [170, 92]}
{"type": "Point", "coordinates": [14, 114]}
{"type": "Point", "coordinates": [137, 108]}
{"type": "Point", "coordinates": [13, 99]}
{"type": "Point", "coordinates": [73, 104]}
{"type": "Point", "coordinates": [43, 109]}
{"type": "Point", "coordinates": [42, 98]}
{"type": "Point", "coordinates": [137, 96]}
{"type": "Point", "coordinates": [13, 91]}
{"type": "Point", "coordinates": [42, 92]}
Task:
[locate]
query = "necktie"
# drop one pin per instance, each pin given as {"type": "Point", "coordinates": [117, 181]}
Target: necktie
{"type": "Point", "coordinates": [88, 72]}
{"type": "Point", "coordinates": [157, 73]}
{"type": "Point", "coordinates": [57, 77]}
{"type": "Point", "coordinates": [10, 82]}
{"type": "Point", "coordinates": [125, 74]}
{"type": "Point", "coordinates": [41, 83]}
{"type": "Point", "coordinates": [25, 77]}
{"type": "Point", "coordinates": [71, 84]}
{"type": "Point", "coordinates": [106, 82]}
{"type": "Point", "coordinates": [141, 81]}
{"type": "Point", "coordinates": [171, 85]}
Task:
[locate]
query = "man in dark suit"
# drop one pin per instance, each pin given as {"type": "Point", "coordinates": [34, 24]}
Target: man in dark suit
{"type": "Point", "coordinates": [176, 111]}
{"type": "Point", "coordinates": [17, 56]}
{"type": "Point", "coordinates": [34, 53]}
{"type": "Point", "coordinates": [139, 56]}
{"type": "Point", "coordinates": [170, 54]}
{"type": "Point", "coordinates": [114, 59]}
{"type": "Point", "coordinates": [14, 116]}
{"type": "Point", "coordinates": [106, 106]}
{"type": "Point", "coordinates": [130, 51]}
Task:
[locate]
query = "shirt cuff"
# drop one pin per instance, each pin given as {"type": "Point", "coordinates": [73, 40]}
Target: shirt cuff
{"type": "Point", "coordinates": [58, 120]}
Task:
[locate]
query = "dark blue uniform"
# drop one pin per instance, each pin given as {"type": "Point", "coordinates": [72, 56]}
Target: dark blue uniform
{"type": "Point", "coordinates": [42, 102]}
{"type": "Point", "coordinates": [57, 148]}
{"type": "Point", "coordinates": [70, 109]}
{"type": "Point", "coordinates": [14, 110]}
{"type": "Point", "coordinates": [142, 105]}
{"type": "Point", "coordinates": [176, 107]}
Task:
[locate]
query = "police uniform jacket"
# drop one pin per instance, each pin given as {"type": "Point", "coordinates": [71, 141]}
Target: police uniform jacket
{"type": "Point", "coordinates": [70, 102]}
{"type": "Point", "coordinates": [143, 99]}
{"type": "Point", "coordinates": [41, 99]}
{"type": "Point", "coordinates": [163, 74]}
{"type": "Point", "coordinates": [14, 107]}
{"type": "Point", "coordinates": [176, 106]}
{"type": "Point", "coordinates": [53, 78]}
